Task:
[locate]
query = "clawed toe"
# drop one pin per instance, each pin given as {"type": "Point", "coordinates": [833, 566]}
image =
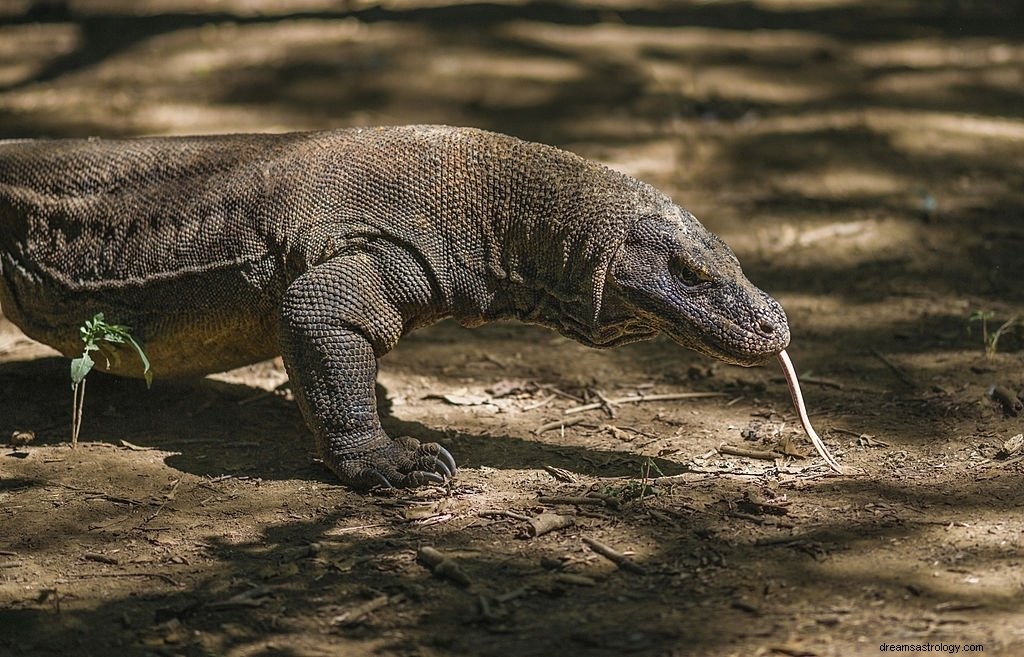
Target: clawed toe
{"type": "Point", "coordinates": [377, 478]}
{"type": "Point", "coordinates": [447, 461]}
{"type": "Point", "coordinates": [403, 462]}
{"type": "Point", "coordinates": [438, 460]}
{"type": "Point", "coordinates": [421, 477]}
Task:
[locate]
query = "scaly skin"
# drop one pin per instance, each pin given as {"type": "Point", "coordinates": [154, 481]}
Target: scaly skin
{"type": "Point", "coordinates": [328, 247]}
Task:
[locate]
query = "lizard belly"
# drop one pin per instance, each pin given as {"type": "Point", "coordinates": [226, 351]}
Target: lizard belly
{"type": "Point", "coordinates": [189, 323]}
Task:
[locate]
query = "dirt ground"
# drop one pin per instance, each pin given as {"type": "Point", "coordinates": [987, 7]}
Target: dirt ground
{"type": "Point", "coordinates": [864, 158]}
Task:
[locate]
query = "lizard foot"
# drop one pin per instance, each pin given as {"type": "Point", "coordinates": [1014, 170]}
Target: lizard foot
{"type": "Point", "coordinates": [402, 463]}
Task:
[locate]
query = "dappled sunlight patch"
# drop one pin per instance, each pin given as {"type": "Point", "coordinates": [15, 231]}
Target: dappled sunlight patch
{"type": "Point", "coordinates": [25, 51]}
{"type": "Point", "coordinates": [835, 243]}
{"type": "Point", "coordinates": [497, 64]}
{"type": "Point", "coordinates": [983, 574]}
{"type": "Point", "coordinates": [202, 118]}
{"type": "Point", "coordinates": [700, 43]}
{"type": "Point", "coordinates": [936, 53]}
{"type": "Point", "coordinates": [655, 160]}
{"type": "Point", "coordinates": [750, 84]}
{"type": "Point", "coordinates": [945, 85]}
{"type": "Point", "coordinates": [835, 180]}
{"type": "Point", "coordinates": [227, 47]}
{"type": "Point", "coordinates": [998, 127]}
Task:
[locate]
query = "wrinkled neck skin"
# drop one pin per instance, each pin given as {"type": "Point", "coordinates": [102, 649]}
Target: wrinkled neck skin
{"type": "Point", "coordinates": [631, 265]}
{"type": "Point", "coordinates": [557, 255]}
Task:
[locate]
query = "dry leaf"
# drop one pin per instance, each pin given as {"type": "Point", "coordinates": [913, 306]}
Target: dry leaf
{"type": "Point", "coordinates": [789, 447]}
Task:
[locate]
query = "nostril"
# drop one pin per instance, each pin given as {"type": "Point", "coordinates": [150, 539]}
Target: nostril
{"type": "Point", "coordinates": [766, 327]}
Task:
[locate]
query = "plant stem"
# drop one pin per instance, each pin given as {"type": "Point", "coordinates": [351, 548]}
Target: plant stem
{"type": "Point", "coordinates": [78, 393]}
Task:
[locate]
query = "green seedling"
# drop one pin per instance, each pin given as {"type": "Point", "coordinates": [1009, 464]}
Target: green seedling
{"type": "Point", "coordinates": [95, 331]}
{"type": "Point", "coordinates": [991, 340]}
{"type": "Point", "coordinates": [638, 489]}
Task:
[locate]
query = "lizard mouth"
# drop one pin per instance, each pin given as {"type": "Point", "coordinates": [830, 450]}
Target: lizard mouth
{"type": "Point", "coordinates": [751, 343]}
{"type": "Point", "coordinates": [747, 353]}
{"type": "Point", "coordinates": [737, 323]}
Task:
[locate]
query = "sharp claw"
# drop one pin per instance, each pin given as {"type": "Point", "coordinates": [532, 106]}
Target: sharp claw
{"type": "Point", "coordinates": [435, 466]}
{"type": "Point", "coordinates": [384, 481]}
{"type": "Point", "coordinates": [447, 460]}
{"type": "Point", "coordinates": [441, 467]}
{"type": "Point", "coordinates": [430, 476]}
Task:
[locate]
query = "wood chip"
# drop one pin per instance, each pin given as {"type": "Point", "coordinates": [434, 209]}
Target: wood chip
{"type": "Point", "coordinates": [549, 522]}
{"type": "Point", "coordinates": [619, 559]}
{"type": "Point", "coordinates": [442, 565]}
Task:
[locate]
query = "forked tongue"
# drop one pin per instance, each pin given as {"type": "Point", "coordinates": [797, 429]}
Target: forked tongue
{"type": "Point", "coordinates": [798, 402]}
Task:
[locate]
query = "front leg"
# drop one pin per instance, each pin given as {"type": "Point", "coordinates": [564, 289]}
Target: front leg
{"type": "Point", "coordinates": [336, 319]}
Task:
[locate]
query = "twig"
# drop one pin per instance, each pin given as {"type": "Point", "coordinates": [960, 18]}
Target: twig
{"type": "Point", "coordinates": [562, 393]}
{"type": "Point", "coordinates": [642, 398]}
{"type": "Point", "coordinates": [503, 514]}
{"type": "Point", "coordinates": [900, 374]}
{"type": "Point", "coordinates": [616, 557]}
{"type": "Point", "coordinates": [694, 469]}
{"type": "Point", "coordinates": [557, 424]}
{"type": "Point", "coordinates": [748, 453]}
{"type": "Point", "coordinates": [608, 407]}
{"type": "Point", "coordinates": [637, 431]}
{"type": "Point", "coordinates": [544, 402]}
{"type": "Point", "coordinates": [358, 528]}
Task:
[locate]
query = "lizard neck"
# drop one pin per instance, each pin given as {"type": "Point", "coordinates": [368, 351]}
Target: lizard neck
{"type": "Point", "coordinates": [554, 238]}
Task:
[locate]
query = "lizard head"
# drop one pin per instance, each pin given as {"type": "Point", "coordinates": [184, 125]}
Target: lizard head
{"type": "Point", "coordinates": [674, 276]}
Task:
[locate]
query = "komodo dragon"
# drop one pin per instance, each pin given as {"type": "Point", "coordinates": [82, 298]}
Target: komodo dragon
{"type": "Point", "coordinates": [327, 247]}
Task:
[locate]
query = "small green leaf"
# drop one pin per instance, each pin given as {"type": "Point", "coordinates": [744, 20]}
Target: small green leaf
{"type": "Point", "coordinates": [80, 367]}
{"type": "Point", "coordinates": [97, 330]}
{"type": "Point", "coordinates": [147, 371]}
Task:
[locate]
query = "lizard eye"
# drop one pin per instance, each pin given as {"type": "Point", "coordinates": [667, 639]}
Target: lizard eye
{"type": "Point", "coordinates": [687, 274]}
